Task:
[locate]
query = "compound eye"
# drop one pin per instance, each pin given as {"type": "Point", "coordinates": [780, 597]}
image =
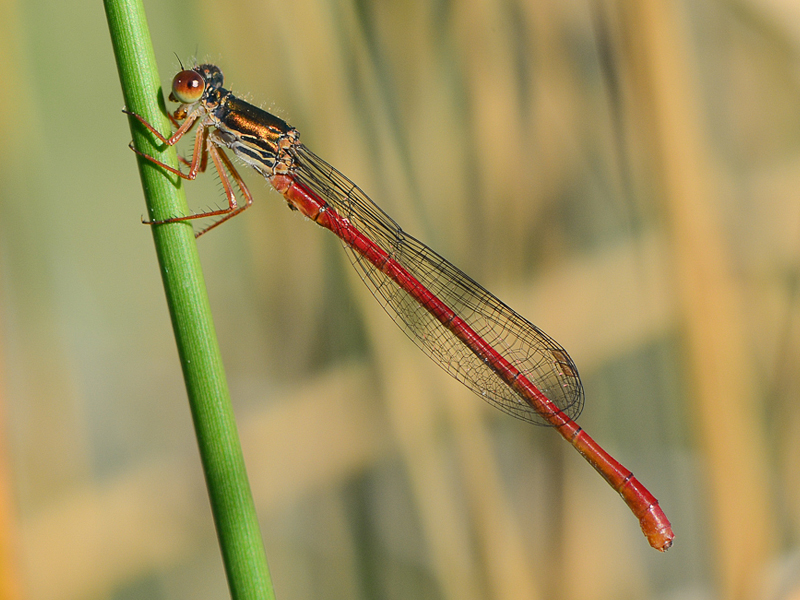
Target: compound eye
{"type": "Point", "coordinates": [188, 86]}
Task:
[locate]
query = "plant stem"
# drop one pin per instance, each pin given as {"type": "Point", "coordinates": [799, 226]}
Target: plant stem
{"type": "Point", "coordinates": [203, 372]}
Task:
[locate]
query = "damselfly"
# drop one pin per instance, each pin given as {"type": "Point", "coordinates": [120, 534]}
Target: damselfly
{"type": "Point", "coordinates": [465, 329]}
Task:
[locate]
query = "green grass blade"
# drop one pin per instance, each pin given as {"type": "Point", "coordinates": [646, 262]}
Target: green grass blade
{"type": "Point", "coordinates": [215, 427]}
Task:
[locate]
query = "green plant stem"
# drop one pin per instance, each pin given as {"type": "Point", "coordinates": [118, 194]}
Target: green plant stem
{"type": "Point", "coordinates": [209, 399]}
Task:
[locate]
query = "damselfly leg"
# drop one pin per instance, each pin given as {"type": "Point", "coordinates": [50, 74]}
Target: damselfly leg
{"type": "Point", "coordinates": [204, 146]}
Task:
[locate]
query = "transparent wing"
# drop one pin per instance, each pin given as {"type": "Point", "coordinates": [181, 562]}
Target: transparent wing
{"type": "Point", "coordinates": [531, 351]}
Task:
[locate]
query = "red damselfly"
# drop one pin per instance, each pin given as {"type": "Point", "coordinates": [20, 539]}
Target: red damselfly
{"type": "Point", "coordinates": [465, 329]}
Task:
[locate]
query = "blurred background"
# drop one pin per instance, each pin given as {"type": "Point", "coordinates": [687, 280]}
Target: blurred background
{"type": "Point", "coordinates": [623, 173]}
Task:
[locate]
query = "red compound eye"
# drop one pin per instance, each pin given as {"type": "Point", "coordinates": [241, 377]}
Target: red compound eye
{"type": "Point", "coordinates": [188, 86]}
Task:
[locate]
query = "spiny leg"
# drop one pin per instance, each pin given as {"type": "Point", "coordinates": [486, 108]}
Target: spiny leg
{"type": "Point", "coordinates": [199, 159]}
{"type": "Point", "coordinates": [179, 133]}
{"type": "Point", "coordinates": [219, 157]}
{"type": "Point", "coordinates": [223, 166]}
{"type": "Point", "coordinates": [203, 146]}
